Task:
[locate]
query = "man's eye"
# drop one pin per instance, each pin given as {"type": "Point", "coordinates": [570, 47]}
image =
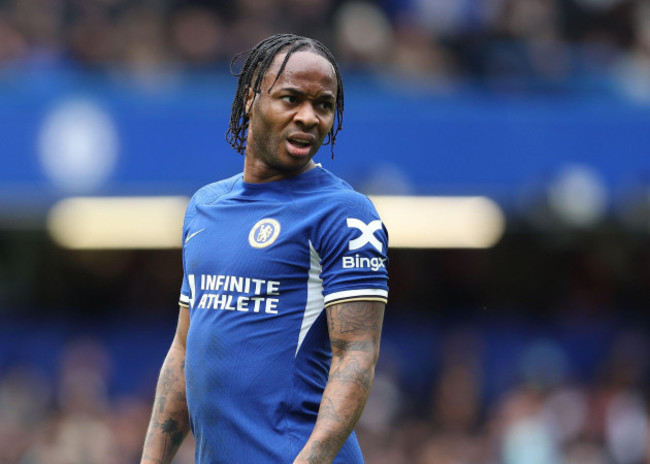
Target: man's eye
{"type": "Point", "coordinates": [327, 105]}
{"type": "Point", "coordinates": [289, 99]}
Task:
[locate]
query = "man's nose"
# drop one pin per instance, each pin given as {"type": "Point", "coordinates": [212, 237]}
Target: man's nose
{"type": "Point", "coordinates": [306, 115]}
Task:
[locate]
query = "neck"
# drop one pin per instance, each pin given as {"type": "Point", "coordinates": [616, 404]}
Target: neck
{"type": "Point", "coordinates": [257, 172]}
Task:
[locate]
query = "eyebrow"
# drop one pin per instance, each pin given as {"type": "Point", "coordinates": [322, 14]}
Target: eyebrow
{"type": "Point", "coordinates": [325, 96]}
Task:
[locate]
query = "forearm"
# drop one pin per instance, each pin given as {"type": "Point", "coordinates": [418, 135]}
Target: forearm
{"type": "Point", "coordinates": [169, 423]}
{"type": "Point", "coordinates": [344, 398]}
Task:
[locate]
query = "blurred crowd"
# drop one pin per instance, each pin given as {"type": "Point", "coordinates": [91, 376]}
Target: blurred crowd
{"type": "Point", "coordinates": [545, 414]}
{"type": "Point", "coordinates": [511, 43]}
{"type": "Point", "coordinates": [457, 408]}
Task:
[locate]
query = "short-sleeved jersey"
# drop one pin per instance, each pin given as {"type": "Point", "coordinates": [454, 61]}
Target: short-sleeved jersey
{"type": "Point", "coordinates": [261, 263]}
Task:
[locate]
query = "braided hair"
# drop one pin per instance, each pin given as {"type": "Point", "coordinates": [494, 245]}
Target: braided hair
{"type": "Point", "coordinates": [252, 73]}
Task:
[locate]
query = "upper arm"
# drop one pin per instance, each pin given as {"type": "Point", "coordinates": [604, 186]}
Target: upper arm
{"type": "Point", "coordinates": [355, 326]}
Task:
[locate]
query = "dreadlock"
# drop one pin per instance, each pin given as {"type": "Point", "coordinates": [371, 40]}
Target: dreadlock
{"type": "Point", "coordinates": [252, 73]}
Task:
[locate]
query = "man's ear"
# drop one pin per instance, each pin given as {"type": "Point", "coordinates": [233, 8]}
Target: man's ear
{"type": "Point", "coordinates": [248, 104]}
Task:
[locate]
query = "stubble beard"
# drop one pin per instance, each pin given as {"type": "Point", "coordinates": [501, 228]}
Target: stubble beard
{"type": "Point", "coordinates": [268, 151]}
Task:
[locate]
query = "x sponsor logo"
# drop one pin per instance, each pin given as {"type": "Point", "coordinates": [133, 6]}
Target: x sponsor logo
{"type": "Point", "coordinates": [367, 234]}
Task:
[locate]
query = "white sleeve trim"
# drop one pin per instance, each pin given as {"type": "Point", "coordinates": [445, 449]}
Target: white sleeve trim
{"type": "Point", "coordinates": [346, 294]}
{"type": "Point", "coordinates": [184, 299]}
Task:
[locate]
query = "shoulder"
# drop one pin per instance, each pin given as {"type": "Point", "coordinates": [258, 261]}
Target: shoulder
{"type": "Point", "coordinates": [340, 195]}
{"type": "Point", "coordinates": [210, 193]}
{"type": "Point", "coordinates": [337, 211]}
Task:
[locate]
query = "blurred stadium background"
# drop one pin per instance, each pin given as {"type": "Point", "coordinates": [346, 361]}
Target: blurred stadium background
{"type": "Point", "coordinates": [517, 330]}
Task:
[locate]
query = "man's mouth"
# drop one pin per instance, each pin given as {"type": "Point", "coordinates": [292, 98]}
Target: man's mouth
{"type": "Point", "coordinates": [300, 143]}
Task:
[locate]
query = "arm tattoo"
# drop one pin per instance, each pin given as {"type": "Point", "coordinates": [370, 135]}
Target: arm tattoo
{"type": "Point", "coordinates": [356, 317]}
{"type": "Point", "coordinates": [353, 372]}
{"type": "Point", "coordinates": [169, 422]}
{"type": "Point", "coordinates": [366, 346]}
{"type": "Point", "coordinates": [173, 436]}
{"type": "Point", "coordinates": [354, 332]}
{"type": "Point", "coordinates": [319, 452]}
{"type": "Point", "coordinates": [161, 401]}
{"type": "Point", "coordinates": [328, 410]}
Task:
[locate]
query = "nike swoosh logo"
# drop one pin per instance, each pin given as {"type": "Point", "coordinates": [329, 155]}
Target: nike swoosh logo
{"type": "Point", "coordinates": [192, 235]}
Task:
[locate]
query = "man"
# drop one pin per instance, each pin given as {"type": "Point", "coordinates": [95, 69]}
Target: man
{"type": "Point", "coordinates": [284, 284]}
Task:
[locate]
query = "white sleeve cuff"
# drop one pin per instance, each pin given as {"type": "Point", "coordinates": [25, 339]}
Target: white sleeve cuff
{"type": "Point", "coordinates": [370, 293]}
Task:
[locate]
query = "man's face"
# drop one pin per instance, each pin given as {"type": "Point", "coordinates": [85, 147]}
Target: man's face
{"type": "Point", "coordinates": [288, 125]}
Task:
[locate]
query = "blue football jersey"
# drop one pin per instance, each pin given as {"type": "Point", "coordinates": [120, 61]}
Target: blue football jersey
{"type": "Point", "coordinates": [261, 262]}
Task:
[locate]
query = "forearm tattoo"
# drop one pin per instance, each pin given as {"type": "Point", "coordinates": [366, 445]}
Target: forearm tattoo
{"type": "Point", "coordinates": [355, 330]}
{"type": "Point", "coordinates": [351, 370]}
{"type": "Point", "coordinates": [169, 422]}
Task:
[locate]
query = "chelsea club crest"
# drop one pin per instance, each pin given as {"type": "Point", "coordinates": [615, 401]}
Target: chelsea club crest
{"type": "Point", "coordinates": [264, 233]}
